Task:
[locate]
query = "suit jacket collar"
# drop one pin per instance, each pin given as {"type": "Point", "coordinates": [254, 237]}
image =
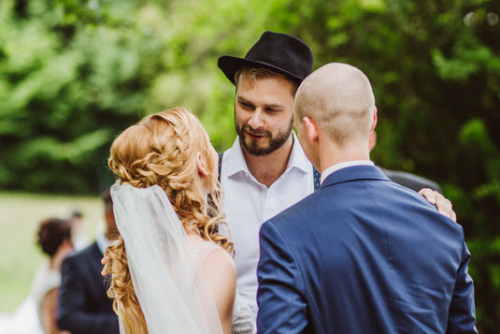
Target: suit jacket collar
{"type": "Point", "coordinates": [354, 173]}
{"type": "Point", "coordinates": [94, 251]}
{"type": "Point", "coordinates": [102, 242]}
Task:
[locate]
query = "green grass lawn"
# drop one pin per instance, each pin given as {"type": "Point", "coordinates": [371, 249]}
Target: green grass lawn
{"type": "Point", "coordinates": [20, 214]}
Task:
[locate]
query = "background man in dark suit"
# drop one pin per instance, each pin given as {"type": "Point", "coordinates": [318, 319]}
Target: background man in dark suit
{"type": "Point", "coordinates": [362, 254]}
{"type": "Point", "coordinates": [84, 306]}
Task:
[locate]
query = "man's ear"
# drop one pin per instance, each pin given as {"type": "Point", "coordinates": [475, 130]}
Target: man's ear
{"type": "Point", "coordinates": [311, 130]}
{"type": "Point", "coordinates": [200, 164]}
{"type": "Point", "coordinates": [374, 124]}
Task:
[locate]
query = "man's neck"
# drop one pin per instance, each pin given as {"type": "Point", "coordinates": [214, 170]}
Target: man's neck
{"type": "Point", "coordinates": [331, 155]}
{"type": "Point", "coordinates": [268, 168]}
{"type": "Point", "coordinates": [56, 260]}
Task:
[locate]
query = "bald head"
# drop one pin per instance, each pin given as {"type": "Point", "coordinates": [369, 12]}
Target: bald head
{"type": "Point", "coordinates": [340, 100]}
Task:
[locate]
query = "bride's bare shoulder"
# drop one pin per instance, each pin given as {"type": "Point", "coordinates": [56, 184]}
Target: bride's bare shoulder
{"type": "Point", "coordinates": [220, 271]}
{"type": "Point", "coordinates": [220, 260]}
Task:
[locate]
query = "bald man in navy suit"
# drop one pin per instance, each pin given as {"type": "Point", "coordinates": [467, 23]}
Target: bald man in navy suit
{"type": "Point", "coordinates": [362, 254]}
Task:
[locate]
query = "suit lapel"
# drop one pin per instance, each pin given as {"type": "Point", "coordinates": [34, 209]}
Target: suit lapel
{"type": "Point", "coordinates": [96, 252]}
{"type": "Point", "coordinates": [95, 263]}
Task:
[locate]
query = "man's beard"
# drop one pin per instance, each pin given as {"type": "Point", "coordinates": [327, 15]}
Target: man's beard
{"type": "Point", "coordinates": [253, 147]}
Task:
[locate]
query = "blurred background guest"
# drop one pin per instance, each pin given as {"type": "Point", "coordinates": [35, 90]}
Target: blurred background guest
{"type": "Point", "coordinates": [80, 241]}
{"type": "Point", "coordinates": [84, 306]}
{"type": "Point", "coordinates": [54, 238]}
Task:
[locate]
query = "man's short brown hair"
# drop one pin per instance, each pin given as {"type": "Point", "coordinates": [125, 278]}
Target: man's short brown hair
{"type": "Point", "coordinates": [253, 74]}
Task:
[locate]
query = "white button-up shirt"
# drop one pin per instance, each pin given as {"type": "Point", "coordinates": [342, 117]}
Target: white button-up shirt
{"type": "Point", "coordinates": [102, 243]}
{"type": "Point", "coordinates": [249, 203]}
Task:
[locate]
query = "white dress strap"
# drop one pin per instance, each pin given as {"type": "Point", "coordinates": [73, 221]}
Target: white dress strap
{"type": "Point", "coordinates": [201, 252]}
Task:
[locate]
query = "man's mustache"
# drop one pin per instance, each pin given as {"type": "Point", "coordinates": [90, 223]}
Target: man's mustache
{"type": "Point", "coordinates": [248, 129]}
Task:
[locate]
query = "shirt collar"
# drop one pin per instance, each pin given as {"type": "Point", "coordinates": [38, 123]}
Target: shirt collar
{"type": "Point", "coordinates": [236, 160]}
{"type": "Point", "coordinates": [298, 158]}
{"type": "Point", "coordinates": [102, 243]}
{"type": "Point", "coordinates": [237, 163]}
{"type": "Point", "coordinates": [345, 164]}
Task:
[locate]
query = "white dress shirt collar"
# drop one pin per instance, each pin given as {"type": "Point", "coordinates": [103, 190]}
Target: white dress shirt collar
{"type": "Point", "coordinates": [345, 164]}
{"type": "Point", "coordinates": [298, 158]}
{"type": "Point", "coordinates": [236, 161]}
{"type": "Point", "coordinates": [102, 243]}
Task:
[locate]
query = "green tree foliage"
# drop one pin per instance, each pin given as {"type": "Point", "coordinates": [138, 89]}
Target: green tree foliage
{"type": "Point", "coordinates": [66, 88]}
{"type": "Point", "coordinates": [76, 72]}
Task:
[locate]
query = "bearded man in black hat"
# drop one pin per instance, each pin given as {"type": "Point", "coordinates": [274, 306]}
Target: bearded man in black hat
{"type": "Point", "coordinates": [266, 170]}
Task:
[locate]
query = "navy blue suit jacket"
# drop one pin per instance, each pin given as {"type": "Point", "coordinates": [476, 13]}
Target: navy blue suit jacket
{"type": "Point", "coordinates": [363, 255]}
{"type": "Point", "coordinates": [84, 306]}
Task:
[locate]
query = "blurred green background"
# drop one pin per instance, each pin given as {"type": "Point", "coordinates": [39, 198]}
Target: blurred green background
{"type": "Point", "coordinates": [74, 73]}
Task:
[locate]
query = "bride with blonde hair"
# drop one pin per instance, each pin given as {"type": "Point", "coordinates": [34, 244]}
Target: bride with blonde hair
{"type": "Point", "coordinates": [171, 272]}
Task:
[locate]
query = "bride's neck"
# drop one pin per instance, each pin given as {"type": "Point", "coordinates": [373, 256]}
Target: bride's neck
{"type": "Point", "coordinates": [194, 238]}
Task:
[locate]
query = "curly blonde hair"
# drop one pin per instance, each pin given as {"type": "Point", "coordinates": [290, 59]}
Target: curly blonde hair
{"type": "Point", "coordinates": [161, 150]}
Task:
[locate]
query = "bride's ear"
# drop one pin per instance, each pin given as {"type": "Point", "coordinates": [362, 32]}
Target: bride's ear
{"type": "Point", "coordinates": [201, 165]}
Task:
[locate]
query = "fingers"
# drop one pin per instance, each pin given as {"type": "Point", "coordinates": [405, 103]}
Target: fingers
{"type": "Point", "coordinates": [443, 205]}
{"type": "Point", "coordinates": [453, 216]}
{"type": "Point", "coordinates": [105, 261]}
{"type": "Point", "coordinates": [428, 194]}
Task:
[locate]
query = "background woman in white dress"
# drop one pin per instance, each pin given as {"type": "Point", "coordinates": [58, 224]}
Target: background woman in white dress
{"type": "Point", "coordinates": [166, 168]}
{"type": "Point", "coordinates": [54, 238]}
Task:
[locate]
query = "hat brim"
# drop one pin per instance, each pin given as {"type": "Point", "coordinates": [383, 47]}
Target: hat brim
{"type": "Point", "coordinates": [229, 65]}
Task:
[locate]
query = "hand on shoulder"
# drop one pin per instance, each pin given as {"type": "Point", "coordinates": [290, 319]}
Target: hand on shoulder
{"type": "Point", "coordinates": [443, 204]}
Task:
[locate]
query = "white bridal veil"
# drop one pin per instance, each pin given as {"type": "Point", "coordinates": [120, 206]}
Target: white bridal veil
{"type": "Point", "coordinates": [168, 281]}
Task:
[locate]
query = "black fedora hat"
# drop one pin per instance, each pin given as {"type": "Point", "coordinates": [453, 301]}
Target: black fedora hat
{"type": "Point", "coordinates": [281, 53]}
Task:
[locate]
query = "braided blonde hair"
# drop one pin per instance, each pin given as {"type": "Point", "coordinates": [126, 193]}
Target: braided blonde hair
{"type": "Point", "coordinates": [161, 150]}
